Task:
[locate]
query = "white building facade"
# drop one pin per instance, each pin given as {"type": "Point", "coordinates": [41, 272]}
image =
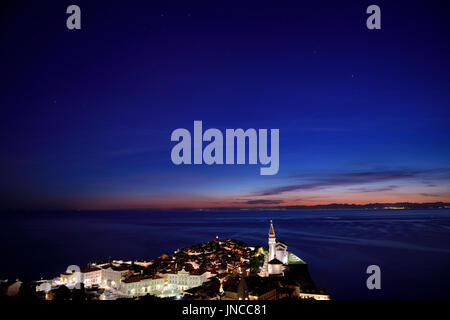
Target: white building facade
{"type": "Point", "coordinates": [141, 286]}
{"type": "Point", "coordinates": [184, 280]}
{"type": "Point", "coordinates": [112, 276]}
{"type": "Point", "coordinates": [91, 276]}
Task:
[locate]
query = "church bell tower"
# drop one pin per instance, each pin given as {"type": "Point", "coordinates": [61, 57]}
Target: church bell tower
{"type": "Point", "coordinates": [272, 241]}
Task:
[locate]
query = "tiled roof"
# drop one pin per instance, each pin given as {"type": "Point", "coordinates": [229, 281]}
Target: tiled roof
{"type": "Point", "coordinates": [275, 261]}
{"type": "Point", "coordinates": [140, 278]}
{"type": "Point", "coordinates": [90, 269]}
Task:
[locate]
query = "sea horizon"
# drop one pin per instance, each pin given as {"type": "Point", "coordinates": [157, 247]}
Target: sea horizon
{"type": "Point", "coordinates": [337, 244]}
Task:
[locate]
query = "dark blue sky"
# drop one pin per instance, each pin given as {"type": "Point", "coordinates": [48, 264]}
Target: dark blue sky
{"type": "Point", "coordinates": [87, 114]}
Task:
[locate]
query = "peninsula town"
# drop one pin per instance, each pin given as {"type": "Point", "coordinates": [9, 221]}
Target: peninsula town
{"type": "Point", "coordinates": [215, 270]}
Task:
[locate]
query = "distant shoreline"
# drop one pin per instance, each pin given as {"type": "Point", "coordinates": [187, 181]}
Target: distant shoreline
{"type": "Point", "coordinates": [334, 206]}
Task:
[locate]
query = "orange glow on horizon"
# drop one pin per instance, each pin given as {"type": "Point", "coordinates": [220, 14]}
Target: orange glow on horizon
{"type": "Point", "coordinates": [209, 202]}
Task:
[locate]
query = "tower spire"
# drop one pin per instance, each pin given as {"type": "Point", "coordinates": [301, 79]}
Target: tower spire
{"type": "Point", "coordinates": [271, 231]}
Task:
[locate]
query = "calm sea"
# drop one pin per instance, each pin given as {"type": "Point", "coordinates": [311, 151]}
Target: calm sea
{"type": "Point", "coordinates": [412, 247]}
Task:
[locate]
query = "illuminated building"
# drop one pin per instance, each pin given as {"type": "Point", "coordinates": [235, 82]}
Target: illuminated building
{"type": "Point", "coordinates": [142, 285]}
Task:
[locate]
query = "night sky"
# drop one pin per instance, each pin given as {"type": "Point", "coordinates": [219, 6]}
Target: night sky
{"type": "Point", "coordinates": [86, 115]}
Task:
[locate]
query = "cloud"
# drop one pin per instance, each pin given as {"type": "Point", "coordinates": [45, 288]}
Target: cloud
{"type": "Point", "coordinates": [318, 182]}
{"type": "Point", "coordinates": [264, 201]}
{"type": "Point", "coordinates": [429, 195]}
{"type": "Point", "coordinates": [429, 184]}
{"type": "Point", "coordinates": [381, 189]}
